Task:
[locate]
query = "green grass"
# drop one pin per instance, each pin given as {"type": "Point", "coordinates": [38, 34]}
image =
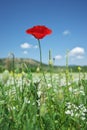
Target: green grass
{"type": "Point", "coordinates": [27, 102]}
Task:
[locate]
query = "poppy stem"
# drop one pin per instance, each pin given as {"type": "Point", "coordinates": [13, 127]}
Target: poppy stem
{"type": "Point", "coordinates": [40, 53]}
{"type": "Point", "coordinates": [41, 65]}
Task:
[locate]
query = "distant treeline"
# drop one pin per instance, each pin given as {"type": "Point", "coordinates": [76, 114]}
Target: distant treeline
{"type": "Point", "coordinates": [22, 64]}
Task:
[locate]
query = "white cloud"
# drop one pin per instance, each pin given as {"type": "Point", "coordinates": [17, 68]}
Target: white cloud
{"type": "Point", "coordinates": [66, 32]}
{"type": "Point", "coordinates": [58, 57]}
{"type": "Point", "coordinates": [25, 45]}
{"type": "Point", "coordinates": [80, 57]}
{"type": "Point", "coordinates": [77, 51]}
{"type": "Point", "coordinates": [25, 52]}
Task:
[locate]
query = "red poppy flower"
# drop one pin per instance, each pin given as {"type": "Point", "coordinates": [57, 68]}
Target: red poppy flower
{"type": "Point", "coordinates": [39, 31]}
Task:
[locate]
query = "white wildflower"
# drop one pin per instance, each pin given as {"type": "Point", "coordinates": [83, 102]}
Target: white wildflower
{"type": "Point", "coordinates": [68, 112]}
{"type": "Point", "coordinates": [39, 93]}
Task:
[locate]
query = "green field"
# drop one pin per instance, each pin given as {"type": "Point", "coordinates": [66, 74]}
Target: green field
{"type": "Point", "coordinates": [43, 101]}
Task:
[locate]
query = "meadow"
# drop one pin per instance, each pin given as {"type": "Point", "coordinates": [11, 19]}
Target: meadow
{"type": "Point", "coordinates": [43, 101]}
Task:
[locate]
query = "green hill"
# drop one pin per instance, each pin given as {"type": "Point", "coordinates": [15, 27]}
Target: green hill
{"type": "Point", "coordinates": [19, 65]}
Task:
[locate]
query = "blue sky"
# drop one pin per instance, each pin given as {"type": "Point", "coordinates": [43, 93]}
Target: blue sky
{"type": "Point", "coordinates": [66, 18]}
